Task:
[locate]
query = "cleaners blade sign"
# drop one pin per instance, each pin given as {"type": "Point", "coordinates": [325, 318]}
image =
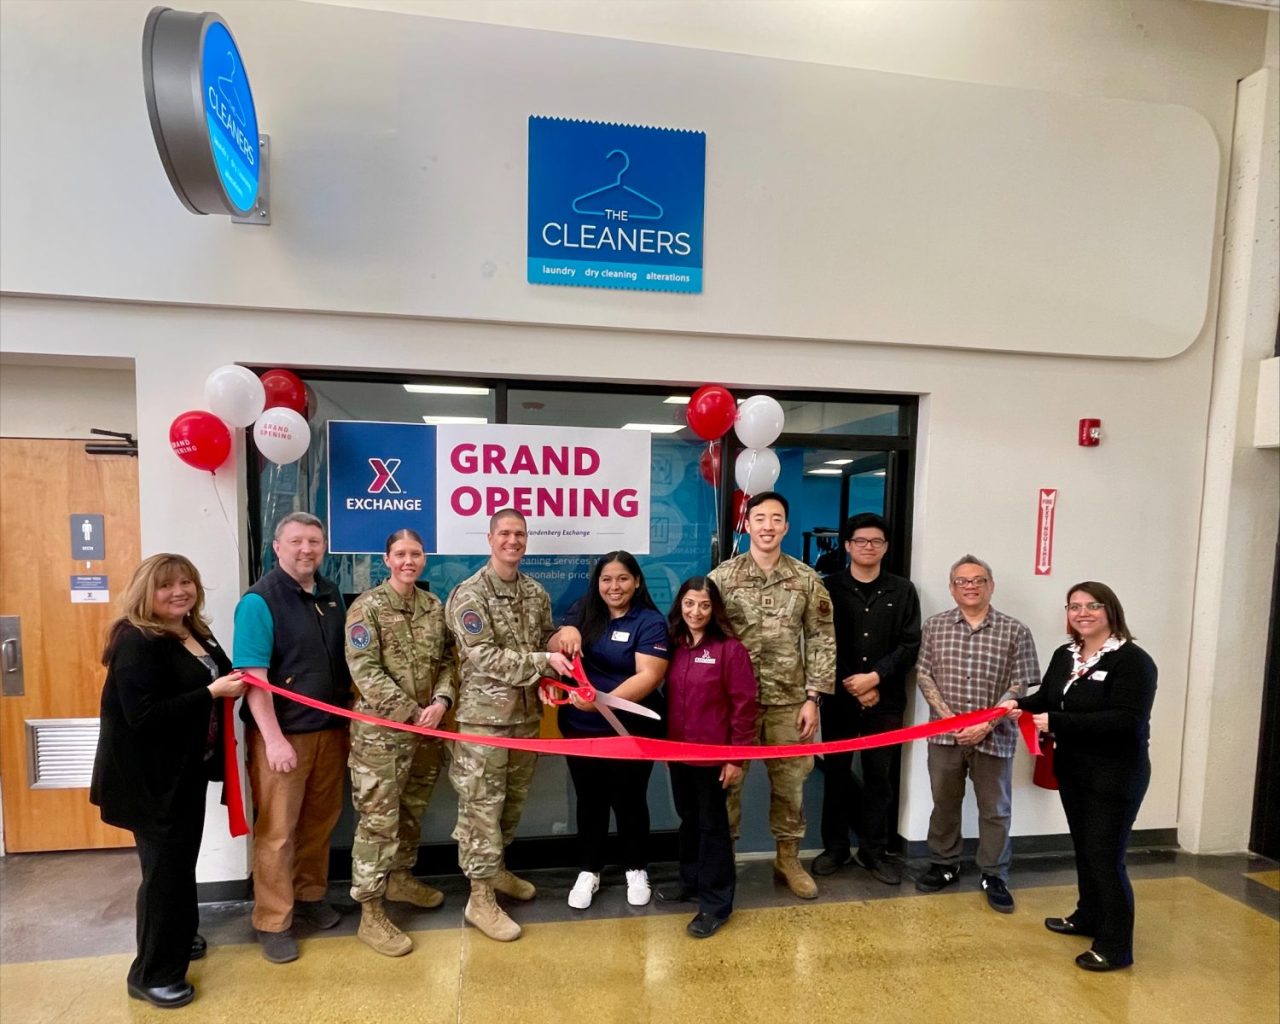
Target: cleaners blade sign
{"type": "Point", "coordinates": [583, 491]}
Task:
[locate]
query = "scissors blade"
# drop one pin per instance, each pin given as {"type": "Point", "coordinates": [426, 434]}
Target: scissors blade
{"type": "Point", "coordinates": [610, 717]}
{"type": "Point", "coordinates": [622, 704]}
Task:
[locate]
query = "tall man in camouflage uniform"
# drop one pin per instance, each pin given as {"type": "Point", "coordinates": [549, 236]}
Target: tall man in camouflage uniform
{"type": "Point", "coordinates": [501, 620]}
{"type": "Point", "coordinates": [402, 666]}
{"type": "Point", "coordinates": [781, 612]}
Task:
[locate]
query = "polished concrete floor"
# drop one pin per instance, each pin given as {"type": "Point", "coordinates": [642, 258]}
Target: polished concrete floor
{"type": "Point", "coordinates": [1208, 950]}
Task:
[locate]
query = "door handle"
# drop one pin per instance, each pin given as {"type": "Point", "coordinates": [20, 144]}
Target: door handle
{"type": "Point", "coordinates": [12, 683]}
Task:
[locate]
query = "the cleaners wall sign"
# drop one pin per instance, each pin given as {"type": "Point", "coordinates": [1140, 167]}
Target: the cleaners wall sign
{"type": "Point", "coordinates": [615, 205]}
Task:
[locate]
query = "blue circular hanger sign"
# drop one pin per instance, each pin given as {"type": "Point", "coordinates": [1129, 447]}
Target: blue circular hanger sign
{"type": "Point", "coordinates": [209, 147]}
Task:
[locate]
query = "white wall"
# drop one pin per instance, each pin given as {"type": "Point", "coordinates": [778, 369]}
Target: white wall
{"type": "Point", "coordinates": [995, 426]}
{"type": "Point", "coordinates": [58, 400]}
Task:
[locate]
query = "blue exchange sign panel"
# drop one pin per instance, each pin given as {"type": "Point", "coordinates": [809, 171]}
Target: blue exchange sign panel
{"type": "Point", "coordinates": [382, 478]}
{"type": "Point", "coordinates": [615, 206]}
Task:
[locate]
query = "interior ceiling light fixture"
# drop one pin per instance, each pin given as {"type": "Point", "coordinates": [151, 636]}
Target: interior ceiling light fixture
{"type": "Point", "coordinates": [676, 400]}
{"type": "Point", "coordinates": [823, 472]}
{"type": "Point", "coordinates": [837, 462]}
{"type": "Point", "coordinates": [654, 428]}
{"type": "Point", "coordinates": [444, 389]}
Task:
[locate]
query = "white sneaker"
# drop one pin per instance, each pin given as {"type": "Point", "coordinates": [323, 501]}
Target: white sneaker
{"type": "Point", "coordinates": [587, 885]}
{"type": "Point", "coordinates": [638, 890]}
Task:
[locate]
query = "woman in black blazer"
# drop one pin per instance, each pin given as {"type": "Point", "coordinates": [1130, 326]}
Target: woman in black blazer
{"type": "Point", "coordinates": [158, 747]}
{"type": "Point", "coordinates": [1096, 701]}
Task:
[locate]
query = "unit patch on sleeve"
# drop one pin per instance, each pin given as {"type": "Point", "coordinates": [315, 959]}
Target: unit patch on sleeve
{"type": "Point", "coordinates": [472, 622]}
{"type": "Point", "coordinates": [358, 636]}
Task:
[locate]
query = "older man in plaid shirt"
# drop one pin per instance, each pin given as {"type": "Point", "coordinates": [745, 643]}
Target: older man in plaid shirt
{"type": "Point", "coordinates": [973, 657]}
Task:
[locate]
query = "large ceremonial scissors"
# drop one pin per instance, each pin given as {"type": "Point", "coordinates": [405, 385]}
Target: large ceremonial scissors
{"type": "Point", "coordinates": [584, 691]}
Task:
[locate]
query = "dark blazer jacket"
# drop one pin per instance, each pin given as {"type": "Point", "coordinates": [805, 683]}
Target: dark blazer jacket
{"type": "Point", "coordinates": [150, 773]}
{"type": "Point", "coordinates": [1103, 723]}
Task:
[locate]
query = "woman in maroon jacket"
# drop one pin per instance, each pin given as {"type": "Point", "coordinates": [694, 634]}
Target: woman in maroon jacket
{"type": "Point", "coordinates": [711, 698]}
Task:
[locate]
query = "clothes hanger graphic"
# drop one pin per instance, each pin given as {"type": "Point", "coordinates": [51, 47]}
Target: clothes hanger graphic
{"type": "Point", "coordinates": [230, 92]}
{"type": "Point", "coordinates": [600, 211]}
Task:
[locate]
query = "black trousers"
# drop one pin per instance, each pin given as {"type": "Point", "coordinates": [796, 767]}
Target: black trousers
{"type": "Point", "coordinates": [869, 808]}
{"type": "Point", "coordinates": [706, 850]}
{"type": "Point", "coordinates": [1101, 808]}
{"type": "Point", "coordinates": [623, 787]}
{"type": "Point", "coordinates": [168, 914]}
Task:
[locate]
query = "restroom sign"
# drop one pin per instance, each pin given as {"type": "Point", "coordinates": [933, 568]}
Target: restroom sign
{"type": "Point", "coordinates": [615, 206]}
{"type": "Point", "coordinates": [88, 536]}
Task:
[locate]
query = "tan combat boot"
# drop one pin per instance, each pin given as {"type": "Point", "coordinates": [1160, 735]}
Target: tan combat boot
{"type": "Point", "coordinates": [402, 887]}
{"type": "Point", "coordinates": [483, 912]}
{"type": "Point", "coordinates": [379, 933]}
{"type": "Point", "coordinates": [509, 885]}
{"type": "Point", "coordinates": [787, 867]}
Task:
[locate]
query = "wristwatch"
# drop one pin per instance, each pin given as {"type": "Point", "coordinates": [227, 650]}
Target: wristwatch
{"type": "Point", "coordinates": [815, 697]}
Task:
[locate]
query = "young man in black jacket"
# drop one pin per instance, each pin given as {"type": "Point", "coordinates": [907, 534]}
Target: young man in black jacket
{"type": "Point", "coordinates": [877, 623]}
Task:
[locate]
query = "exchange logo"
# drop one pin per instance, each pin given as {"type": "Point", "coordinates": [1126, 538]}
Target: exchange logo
{"type": "Point", "coordinates": [384, 476]}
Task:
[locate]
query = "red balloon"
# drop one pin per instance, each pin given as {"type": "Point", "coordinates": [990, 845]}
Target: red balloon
{"type": "Point", "coordinates": [739, 508]}
{"type": "Point", "coordinates": [200, 439]}
{"type": "Point", "coordinates": [711, 412]}
{"type": "Point", "coordinates": [285, 388]}
{"type": "Point", "coordinates": [709, 464]}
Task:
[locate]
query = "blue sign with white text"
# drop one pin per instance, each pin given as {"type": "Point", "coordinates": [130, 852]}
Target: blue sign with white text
{"type": "Point", "coordinates": [615, 206]}
{"type": "Point", "coordinates": [382, 478]}
{"type": "Point", "coordinates": [229, 114]}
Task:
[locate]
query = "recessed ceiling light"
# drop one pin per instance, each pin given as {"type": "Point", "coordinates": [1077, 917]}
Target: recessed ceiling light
{"type": "Point", "coordinates": [878, 472]}
{"type": "Point", "coordinates": [837, 462]}
{"type": "Point", "coordinates": [445, 389]}
{"type": "Point", "coordinates": [655, 428]}
{"type": "Point", "coordinates": [676, 400]}
{"type": "Point", "coordinates": [439, 420]}
{"type": "Point", "coordinates": [823, 472]}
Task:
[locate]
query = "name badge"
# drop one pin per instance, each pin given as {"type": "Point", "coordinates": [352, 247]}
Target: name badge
{"type": "Point", "coordinates": [619, 636]}
{"type": "Point", "coordinates": [705, 659]}
{"type": "Point", "coordinates": [1098, 676]}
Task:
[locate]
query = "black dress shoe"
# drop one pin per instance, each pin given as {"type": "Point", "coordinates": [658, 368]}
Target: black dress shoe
{"type": "Point", "coordinates": [1092, 960]}
{"type": "Point", "coordinates": [828, 862]}
{"type": "Point", "coordinates": [882, 868]}
{"type": "Point", "coordinates": [675, 894]}
{"type": "Point", "coordinates": [1066, 926]}
{"type": "Point", "coordinates": [704, 926]}
{"type": "Point", "coordinates": [199, 947]}
{"type": "Point", "coordinates": [166, 997]}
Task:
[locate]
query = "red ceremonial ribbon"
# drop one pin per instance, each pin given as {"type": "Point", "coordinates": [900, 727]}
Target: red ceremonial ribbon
{"type": "Point", "coordinates": [624, 748]}
{"type": "Point", "coordinates": [231, 771]}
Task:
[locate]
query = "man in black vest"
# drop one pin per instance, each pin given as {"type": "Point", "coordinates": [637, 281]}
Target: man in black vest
{"type": "Point", "coordinates": [877, 619]}
{"type": "Point", "coordinates": [289, 630]}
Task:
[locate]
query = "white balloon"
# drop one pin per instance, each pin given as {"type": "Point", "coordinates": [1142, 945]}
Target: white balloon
{"type": "Point", "coordinates": [235, 395]}
{"type": "Point", "coordinates": [756, 470]}
{"type": "Point", "coordinates": [759, 421]}
{"type": "Point", "coordinates": [282, 435]}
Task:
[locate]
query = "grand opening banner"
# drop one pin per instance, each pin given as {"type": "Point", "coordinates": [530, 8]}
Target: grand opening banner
{"type": "Point", "coordinates": [583, 490]}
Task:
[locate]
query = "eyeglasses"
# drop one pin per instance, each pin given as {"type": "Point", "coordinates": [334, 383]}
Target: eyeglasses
{"type": "Point", "coordinates": [1093, 606]}
{"type": "Point", "coordinates": [868, 542]}
{"type": "Point", "coordinates": [977, 581]}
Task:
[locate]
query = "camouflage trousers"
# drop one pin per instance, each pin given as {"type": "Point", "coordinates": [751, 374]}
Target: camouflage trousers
{"type": "Point", "coordinates": [492, 785]}
{"type": "Point", "coordinates": [777, 725]}
{"type": "Point", "coordinates": [391, 782]}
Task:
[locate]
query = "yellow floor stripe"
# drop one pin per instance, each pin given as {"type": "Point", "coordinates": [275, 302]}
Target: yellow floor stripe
{"type": "Point", "coordinates": [947, 958]}
{"type": "Point", "coordinates": [1267, 878]}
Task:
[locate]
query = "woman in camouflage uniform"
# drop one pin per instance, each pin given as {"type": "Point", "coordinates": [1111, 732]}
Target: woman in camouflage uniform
{"type": "Point", "coordinates": [402, 666]}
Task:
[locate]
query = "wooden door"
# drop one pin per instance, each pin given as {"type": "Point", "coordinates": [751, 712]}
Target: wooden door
{"type": "Point", "coordinates": [43, 483]}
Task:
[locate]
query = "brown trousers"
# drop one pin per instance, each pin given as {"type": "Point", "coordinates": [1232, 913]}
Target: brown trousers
{"type": "Point", "coordinates": [295, 815]}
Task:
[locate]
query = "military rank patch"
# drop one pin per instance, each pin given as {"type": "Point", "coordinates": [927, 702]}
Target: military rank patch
{"type": "Point", "coordinates": [472, 622]}
{"type": "Point", "coordinates": [358, 636]}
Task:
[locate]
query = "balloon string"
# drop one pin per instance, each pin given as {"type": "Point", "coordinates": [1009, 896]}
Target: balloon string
{"type": "Point", "coordinates": [235, 540]}
{"type": "Point", "coordinates": [741, 523]}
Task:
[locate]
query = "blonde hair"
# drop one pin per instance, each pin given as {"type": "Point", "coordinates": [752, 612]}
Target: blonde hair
{"type": "Point", "coordinates": [138, 601]}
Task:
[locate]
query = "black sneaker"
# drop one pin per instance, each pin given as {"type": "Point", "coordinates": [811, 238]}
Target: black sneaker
{"type": "Point", "coordinates": [998, 895]}
{"type": "Point", "coordinates": [676, 894]}
{"type": "Point", "coordinates": [704, 926]}
{"type": "Point", "coordinates": [828, 862]}
{"type": "Point", "coordinates": [939, 876]}
{"type": "Point", "coordinates": [882, 868]}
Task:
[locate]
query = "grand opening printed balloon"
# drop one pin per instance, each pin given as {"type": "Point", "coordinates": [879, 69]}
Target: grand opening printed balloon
{"type": "Point", "coordinates": [282, 435]}
{"type": "Point", "coordinates": [200, 439]}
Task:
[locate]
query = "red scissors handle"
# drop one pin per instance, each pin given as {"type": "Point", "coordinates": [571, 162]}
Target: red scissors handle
{"type": "Point", "coordinates": [584, 690]}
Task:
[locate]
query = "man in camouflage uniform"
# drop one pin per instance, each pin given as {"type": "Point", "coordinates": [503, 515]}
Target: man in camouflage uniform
{"type": "Point", "coordinates": [501, 620]}
{"type": "Point", "coordinates": [402, 666]}
{"type": "Point", "coordinates": [781, 612]}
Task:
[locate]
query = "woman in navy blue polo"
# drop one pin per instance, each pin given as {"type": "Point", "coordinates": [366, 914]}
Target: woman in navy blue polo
{"type": "Point", "coordinates": [624, 651]}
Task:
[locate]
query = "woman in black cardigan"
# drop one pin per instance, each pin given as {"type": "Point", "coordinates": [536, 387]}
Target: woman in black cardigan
{"type": "Point", "coordinates": [158, 747]}
{"type": "Point", "coordinates": [1096, 701]}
